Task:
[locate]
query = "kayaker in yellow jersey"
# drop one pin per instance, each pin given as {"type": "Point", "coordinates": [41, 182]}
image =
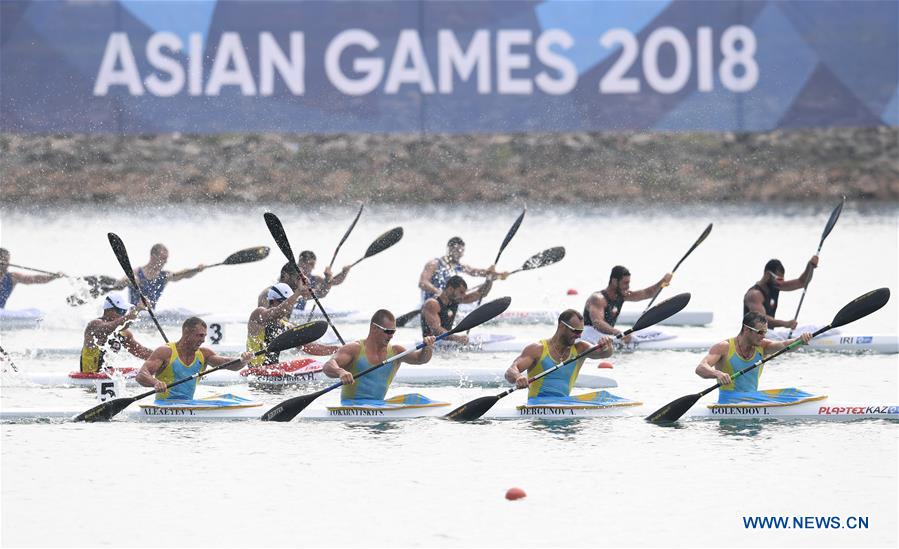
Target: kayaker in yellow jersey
{"type": "Point", "coordinates": [9, 280]}
{"type": "Point", "coordinates": [182, 359]}
{"type": "Point", "coordinates": [109, 332]}
{"type": "Point", "coordinates": [763, 296]}
{"type": "Point", "coordinates": [356, 356]}
{"type": "Point", "coordinates": [732, 355]}
{"type": "Point", "coordinates": [603, 307]}
{"type": "Point", "coordinates": [267, 322]}
{"type": "Point", "coordinates": [438, 314]}
{"type": "Point", "coordinates": [564, 345]}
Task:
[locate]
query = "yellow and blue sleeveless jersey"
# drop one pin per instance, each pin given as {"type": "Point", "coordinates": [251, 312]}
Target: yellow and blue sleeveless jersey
{"type": "Point", "coordinates": [556, 384]}
{"type": "Point", "coordinates": [176, 370]}
{"type": "Point", "coordinates": [733, 363]}
{"type": "Point", "coordinates": [372, 386]}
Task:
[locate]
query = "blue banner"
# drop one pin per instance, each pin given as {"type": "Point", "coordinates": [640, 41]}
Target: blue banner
{"type": "Point", "coordinates": [201, 66]}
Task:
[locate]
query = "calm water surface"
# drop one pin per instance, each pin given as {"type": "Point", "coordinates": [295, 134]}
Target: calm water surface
{"type": "Point", "coordinates": [595, 482]}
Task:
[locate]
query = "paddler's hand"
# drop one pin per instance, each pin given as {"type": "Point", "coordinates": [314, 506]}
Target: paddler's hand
{"type": "Point", "coordinates": [60, 274]}
{"type": "Point", "coordinates": [159, 385]}
{"type": "Point", "coordinates": [666, 280]}
{"type": "Point", "coordinates": [246, 357]}
{"type": "Point", "coordinates": [813, 262]}
{"type": "Point", "coordinates": [521, 382]}
{"type": "Point", "coordinates": [791, 324]}
{"type": "Point", "coordinates": [428, 341]}
{"type": "Point", "coordinates": [806, 337]}
{"type": "Point", "coordinates": [606, 342]}
{"type": "Point", "coordinates": [460, 338]}
{"type": "Point", "coordinates": [346, 378]}
{"type": "Point", "coordinates": [329, 274]}
{"type": "Point", "coordinates": [626, 339]}
{"type": "Point", "coordinates": [346, 270]}
{"type": "Point", "coordinates": [722, 377]}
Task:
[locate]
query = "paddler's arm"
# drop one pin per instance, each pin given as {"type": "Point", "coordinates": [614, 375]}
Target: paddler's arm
{"type": "Point", "coordinates": [773, 346]}
{"type": "Point", "coordinates": [186, 273]}
{"type": "Point", "coordinates": [132, 346]}
{"type": "Point", "coordinates": [804, 278]}
{"type": "Point", "coordinates": [596, 305]}
{"type": "Point", "coordinates": [213, 359]}
{"type": "Point", "coordinates": [517, 373]}
{"type": "Point", "coordinates": [604, 351]}
{"type": "Point", "coordinates": [424, 281]}
{"type": "Point", "coordinates": [430, 312]}
{"type": "Point", "coordinates": [22, 278]}
{"type": "Point", "coordinates": [270, 314]}
{"type": "Point", "coordinates": [707, 369]}
{"type": "Point", "coordinates": [420, 356]}
{"type": "Point", "coordinates": [337, 364]}
{"type": "Point", "coordinates": [649, 291]}
{"type": "Point", "coordinates": [755, 302]}
{"type": "Point", "coordinates": [341, 276]}
{"type": "Point", "coordinates": [478, 293]}
{"type": "Point", "coordinates": [152, 366]}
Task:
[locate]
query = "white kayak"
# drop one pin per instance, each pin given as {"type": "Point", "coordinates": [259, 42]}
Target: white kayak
{"type": "Point", "coordinates": [812, 408]}
{"type": "Point", "coordinates": [682, 318]}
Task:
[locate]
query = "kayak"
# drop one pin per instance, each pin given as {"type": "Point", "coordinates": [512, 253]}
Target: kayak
{"type": "Point", "coordinates": [17, 319]}
{"type": "Point", "coordinates": [682, 318]}
{"type": "Point", "coordinates": [812, 408]}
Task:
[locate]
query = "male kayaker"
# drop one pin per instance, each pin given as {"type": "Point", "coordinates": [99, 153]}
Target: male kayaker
{"type": "Point", "coordinates": [748, 347]}
{"type": "Point", "coordinates": [438, 314]}
{"type": "Point", "coordinates": [603, 307]}
{"type": "Point", "coordinates": [182, 359]}
{"type": "Point", "coordinates": [266, 322]}
{"type": "Point", "coordinates": [320, 285]}
{"type": "Point", "coordinates": [538, 357]}
{"type": "Point", "coordinates": [152, 279]}
{"type": "Point", "coordinates": [762, 297]}
{"type": "Point", "coordinates": [289, 275]}
{"type": "Point", "coordinates": [357, 356]}
{"type": "Point", "coordinates": [9, 280]}
{"type": "Point", "coordinates": [438, 271]}
{"type": "Point", "coordinates": [109, 332]}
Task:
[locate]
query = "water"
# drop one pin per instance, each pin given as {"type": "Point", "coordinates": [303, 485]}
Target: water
{"type": "Point", "coordinates": [597, 482]}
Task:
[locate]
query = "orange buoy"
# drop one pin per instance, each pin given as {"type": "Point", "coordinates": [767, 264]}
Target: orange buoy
{"type": "Point", "coordinates": [572, 291]}
{"type": "Point", "coordinates": [605, 366]}
{"type": "Point", "coordinates": [515, 493]}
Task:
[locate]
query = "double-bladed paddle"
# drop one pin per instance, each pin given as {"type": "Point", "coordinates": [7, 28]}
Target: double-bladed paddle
{"type": "Point", "coordinates": [479, 406]}
{"type": "Point", "coordinates": [295, 337]}
{"type": "Point", "coordinates": [277, 229]}
{"type": "Point", "coordinates": [240, 257]}
{"type": "Point", "coordinates": [834, 215]}
{"type": "Point", "coordinates": [339, 244]}
{"type": "Point", "coordinates": [512, 230]}
{"type": "Point", "coordinates": [699, 240]}
{"type": "Point", "coordinates": [289, 409]}
{"type": "Point", "coordinates": [860, 307]}
{"type": "Point", "coordinates": [118, 248]}
{"type": "Point", "coordinates": [542, 259]}
{"type": "Point", "coordinates": [380, 244]}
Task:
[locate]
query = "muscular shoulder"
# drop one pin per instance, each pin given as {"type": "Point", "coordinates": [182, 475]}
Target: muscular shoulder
{"type": "Point", "coordinates": [596, 298]}
{"type": "Point", "coordinates": [720, 348]}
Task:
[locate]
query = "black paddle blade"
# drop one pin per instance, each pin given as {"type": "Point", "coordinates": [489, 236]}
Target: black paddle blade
{"type": "Point", "coordinates": [474, 409]}
{"type": "Point", "coordinates": [673, 410]}
{"type": "Point", "coordinates": [544, 258]}
{"type": "Point", "coordinates": [834, 215]}
{"type": "Point", "coordinates": [861, 307]}
{"type": "Point", "coordinates": [277, 230]}
{"type": "Point", "coordinates": [104, 411]}
{"type": "Point", "coordinates": [118, 248]}
{"type": "Point", "coordinates": [384, 241]}
{"type": "Point", "coordinates": [247, 256]}
{"type": "Point", "coordinates": [289, 409]}
{"type": "Point", "coordinates": [404, 319]}
{"type": "Point", "coordinates": [482, 314]}
{"type": "Point", "coordinates": [510, 234]}
{"type": "Point", "coordinates": [662, 311]}
{"type": "Point", "coordinates": [296, 337]}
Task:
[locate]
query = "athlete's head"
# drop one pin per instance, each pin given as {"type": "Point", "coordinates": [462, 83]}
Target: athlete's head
{"type": "Point", "coordinates": [278, 293]}
{"type": "Point", "coordinates": [456, 288]}
{"type": "Point", "coordinates": [570, 326]}
{"type": "Point", "coordinates": [289, 275]}
{"type": "Point", "coordinates": [620, 278]}
{"type": "Point", "coordinates": [193, 332]}
{"type": "Point", "coordinates": [755, 325]}
{"type": "Point", "coordinates": [455, 247]}
{"type": "Point", "coordinates": [774, 272]}
{"type": "Point", "coordinates": [306, 261]}
{"type": "Point", "coordinates": [115, 305]}
{"type": "Point", "coordinates": [383, 326]}
{"type": "Point", "coordinates": [159, 255]}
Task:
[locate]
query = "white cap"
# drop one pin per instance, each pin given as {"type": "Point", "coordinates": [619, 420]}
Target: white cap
{"type": "Point", "coordinates": [279, 291]}
{"type": "Point", "coordinates": [117, 301]}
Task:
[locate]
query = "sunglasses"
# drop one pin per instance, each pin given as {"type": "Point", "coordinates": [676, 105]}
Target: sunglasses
{"type": "Point", "coordinates": [388, 331]}
{"type": "Point", "coordinates": [572, 328]}
{"type": "Point", "coordinates": [758, 331]}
